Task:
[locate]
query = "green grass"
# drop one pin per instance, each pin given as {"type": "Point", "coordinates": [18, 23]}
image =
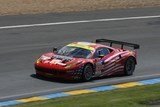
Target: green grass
{"type": "Point", "coordinates": [130, 97]}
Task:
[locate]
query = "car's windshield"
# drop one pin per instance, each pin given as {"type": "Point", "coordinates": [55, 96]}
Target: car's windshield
{"type": "Point", "coordinates": [74, 52]}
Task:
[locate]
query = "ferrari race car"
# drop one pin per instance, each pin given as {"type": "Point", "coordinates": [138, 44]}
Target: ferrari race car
{"type": "Point", "coordinates": [85, 60]}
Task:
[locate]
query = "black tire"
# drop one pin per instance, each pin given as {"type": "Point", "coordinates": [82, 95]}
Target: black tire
{"type": "Point", "coordinates": [87, 72]}
{"type": "Point", "coordinates": [129, 66]}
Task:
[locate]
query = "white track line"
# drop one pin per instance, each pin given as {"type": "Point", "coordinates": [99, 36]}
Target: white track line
{"type": "Point", "coordinates": [82, 21]}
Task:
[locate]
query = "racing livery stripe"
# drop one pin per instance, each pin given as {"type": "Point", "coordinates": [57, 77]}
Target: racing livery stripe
{"type": "Point", "coordinates": [114, 56]}
{"type": "Point", "coordinates": [112, 68]}
{"type": "Point", "coordinates": [116, 59]}
{"type": "Point", "coordinates": [78, 92]}
{"type": "Point", "coordinates": [113, 61]}
{"type": "Point", "coordinates": [124, 54]}
{"type": "Point", "coordinates": [121, 69]}
{"type": "Point", "coordinates": [109, 65]}
{"type": "Point", "coordinates": [117, 69]}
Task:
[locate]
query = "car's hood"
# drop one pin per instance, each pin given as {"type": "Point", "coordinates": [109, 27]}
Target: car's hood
{"type": "Point", "coordinates": [59, 60]}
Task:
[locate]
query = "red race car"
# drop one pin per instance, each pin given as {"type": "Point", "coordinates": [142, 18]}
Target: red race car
{"type": "Point", "coordinates": [85, 60]}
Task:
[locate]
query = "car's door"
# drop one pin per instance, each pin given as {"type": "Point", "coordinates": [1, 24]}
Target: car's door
{"type": "Point", "coordinates": [111, 63]}
{"type": "Point", "coordinates": [99, 56]}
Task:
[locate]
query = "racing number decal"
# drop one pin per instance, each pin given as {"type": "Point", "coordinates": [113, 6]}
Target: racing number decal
{"type": "Point", "coordinates": [99, 67]}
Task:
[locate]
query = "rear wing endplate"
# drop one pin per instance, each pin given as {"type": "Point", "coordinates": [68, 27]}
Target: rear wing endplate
{"type": "Point", "coordinates": [135, 46]}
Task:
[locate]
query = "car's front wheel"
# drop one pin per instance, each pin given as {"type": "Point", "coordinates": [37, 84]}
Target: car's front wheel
{"type": "Point", "coordinates": [87, 73]}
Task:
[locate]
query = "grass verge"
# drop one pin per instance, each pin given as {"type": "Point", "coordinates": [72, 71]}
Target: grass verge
{"type": "Point", "coordinates": [139, 96]}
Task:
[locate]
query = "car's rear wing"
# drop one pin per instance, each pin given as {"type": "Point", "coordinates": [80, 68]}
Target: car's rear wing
{"type": "Point", "coordinates": [135, 46]}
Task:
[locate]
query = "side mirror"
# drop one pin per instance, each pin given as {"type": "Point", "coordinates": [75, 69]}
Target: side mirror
{"type": "Point", "coordinates": [55, 49]}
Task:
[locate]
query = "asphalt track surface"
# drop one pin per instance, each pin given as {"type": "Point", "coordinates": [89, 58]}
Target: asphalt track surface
{"type": "Point", "coordinates": [19, 47]}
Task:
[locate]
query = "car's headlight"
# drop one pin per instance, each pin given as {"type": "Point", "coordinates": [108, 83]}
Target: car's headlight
{"type": "Point", "coordinates": [44, 57]}
{"type": "Point", "coordinates": [38, 61]}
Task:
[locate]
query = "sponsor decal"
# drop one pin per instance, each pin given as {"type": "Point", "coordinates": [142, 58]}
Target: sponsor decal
{"type": "Point", "coordinates": [57, 61]}
{"type": "Point", "coordinates": [62, 57]}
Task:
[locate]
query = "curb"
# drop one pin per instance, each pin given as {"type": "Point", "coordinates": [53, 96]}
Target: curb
{"type": "Point", "coordinates": [78, 92]}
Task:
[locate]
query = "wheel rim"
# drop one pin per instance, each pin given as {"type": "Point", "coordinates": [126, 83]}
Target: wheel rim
{"type": "Point", "coordinates": [130, 66]}
{"type": "Point", "coordinates": [88, 73]}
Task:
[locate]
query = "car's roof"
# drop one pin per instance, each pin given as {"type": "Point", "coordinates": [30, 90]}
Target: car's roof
{"type": "Point", "coordinates": [86, 45]}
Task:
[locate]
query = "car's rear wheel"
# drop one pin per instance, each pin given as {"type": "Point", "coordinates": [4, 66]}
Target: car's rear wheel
{"type": "Point", "coordinates": [87, 72]}
{"type": "Point", "coordinates": [129, 66]}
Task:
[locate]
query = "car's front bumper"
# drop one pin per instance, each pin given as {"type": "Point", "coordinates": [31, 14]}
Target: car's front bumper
{"type": "Point", "coordinates": [70, 75]}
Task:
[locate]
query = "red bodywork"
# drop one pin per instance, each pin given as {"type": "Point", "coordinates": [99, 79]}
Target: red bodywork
{"type": "Point", "coordinates": [53, 65]}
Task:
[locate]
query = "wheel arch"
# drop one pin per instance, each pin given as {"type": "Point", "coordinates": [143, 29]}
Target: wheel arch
{"type": "Point", "coordinates": [84, 78]}
{"type": "Point", "coordinates": [133, 59]}
{"type": "Point", "coordinates": [92, 65]}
